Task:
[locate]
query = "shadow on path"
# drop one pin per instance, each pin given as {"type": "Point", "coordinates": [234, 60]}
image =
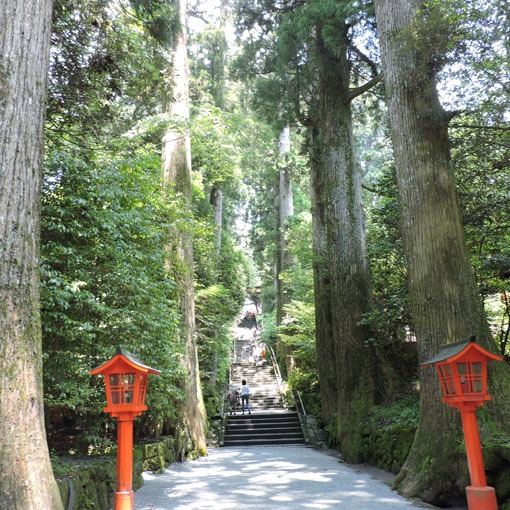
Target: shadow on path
{"type": "Point", "coordinates": [260, 478]}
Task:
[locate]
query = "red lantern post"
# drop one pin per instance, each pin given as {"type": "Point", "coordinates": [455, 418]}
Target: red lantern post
{"type": "Point", "coordinates": [126, 380]}
{"type": "Point", "coordinates": [462, 369]}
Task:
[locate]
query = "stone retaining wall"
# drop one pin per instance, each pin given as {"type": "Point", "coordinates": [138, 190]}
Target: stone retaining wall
{"type": "Point", "coordinates": [90, 483]}
{"type": "Point", "coordinates": [387, 449]}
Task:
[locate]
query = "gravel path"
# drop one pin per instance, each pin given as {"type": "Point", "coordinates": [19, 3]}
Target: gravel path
{"type": "Point", "coordinates": [260, 478]}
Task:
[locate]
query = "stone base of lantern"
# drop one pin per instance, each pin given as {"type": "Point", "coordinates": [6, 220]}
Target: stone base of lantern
{"type": "Point", "coordinates": [481, 498]}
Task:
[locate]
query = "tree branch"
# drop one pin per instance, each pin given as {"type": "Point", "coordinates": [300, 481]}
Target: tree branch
{"type": "Point", "coordinates": [370, 188]}
{"type": "Point", "coordinates": [353, 93]}
{"type": "Point", "coordinates": [364, 58]}
{"type": "Point", "coordinates": [475, 126]}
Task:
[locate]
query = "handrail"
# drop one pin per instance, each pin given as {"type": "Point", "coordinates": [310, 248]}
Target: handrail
{"type": "Point", "coordinates": [305, 416]}
{"type": "Point", "coordinates": [224, 409]}
{"type": "Point", "coordinates": [300, 406]}
{"type": "Point", "coordinates": [222, 423]}
{"type": "Point", "coordinates": [278, 374]}
{"type": "Point", "coordinates": [303, 410]}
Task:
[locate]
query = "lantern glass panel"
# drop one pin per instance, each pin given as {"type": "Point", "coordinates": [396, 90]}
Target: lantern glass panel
{"type": "Point", "coordinates": [447, 379]}
{"type": "Point", "coordinates": [471, 377]}
{"type": "Point", "coordinates": [143, 388]}
{"type": "Point", "coordinates": [122, 388]}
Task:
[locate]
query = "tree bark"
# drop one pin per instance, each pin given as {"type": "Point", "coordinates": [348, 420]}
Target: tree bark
{"type": "Point", "coordinates": [216, 200]}
{"type": "Point", "coordinates": [176, 170]}
{"type": "Point", "coordinates": [326, 362]}
{"type": "Point", "coordinates": [218, 88]}
{"type": "Point", "coordinates": [337, 184]}
{"type": "Point", "coordinates": [26, 476]}
{"type": "Point", "coordinates": [445, 303]}
{"type": "Point", "coordinates": [286, 210]}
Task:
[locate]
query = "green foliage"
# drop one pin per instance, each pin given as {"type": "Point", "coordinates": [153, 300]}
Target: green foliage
{"type": "Point", "coordinates": [103, 282]}
{"type": "Point", "coordinates": [269, 330]}
{"type": "Point", "coordinates": [104, 71]}
{"type": "Point", "coordinates": [389, 319]}
{"type": "Point", "coordinates": [389, 433]}
{"type": "Point", "coordinates": [281, 47]}
{"type": "Point", "coordinates": [297, 336]}
{"type": "Point", "coordinates": [403, 413]}
{"type": "Point", "coordinates": [158, 17]}
{"type": "Point", "coordinates": [209, 67]}
{"type": "Point", "coordinates": [216, 138]}
{"type": "Point", "coordinates": [299, 281]}
{"type": "Point", "coordinates": [214, 147]}
{"type": "Point", "coordinates": [216, 308]}
{"type": "Point", "coordinates": [324, 18]}
{"type": "Point", "coordinates": [481, 158]}
{"type": "Point", "coordinates": [297, 332]}
{"type": "Point", "coordinates": [474, 79]}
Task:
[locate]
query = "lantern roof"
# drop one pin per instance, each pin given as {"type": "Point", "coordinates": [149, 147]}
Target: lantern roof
{"type": "Point", "coordinates": [125, 357]}
{"type": "Point", "coordinates": [451, 352]}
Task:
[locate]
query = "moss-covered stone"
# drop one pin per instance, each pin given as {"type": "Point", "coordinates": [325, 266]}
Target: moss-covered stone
{"type": "Point", "coordinates": [94, 484]}
{"type": "Point", "coordinates": [503, 450]}
{"type": "Point", "coordinates": [64, 489]}
{"type": "Point", "coordinates": [492, 460]}
{"type": "Point", "coordinates": [156, 456]}
{"type": "Point", "coordinates": [94, 480]}
{"type": "Point", "coordinates": [387, 448]}
{"type": "Point", "coordinates": [502, 485]}
{"type": "Point", "coordinates": [156, 464]}
{"type": "Point", "coordinates": [496, 454]}
{"type": "Point", "coordinates": [149, 450]}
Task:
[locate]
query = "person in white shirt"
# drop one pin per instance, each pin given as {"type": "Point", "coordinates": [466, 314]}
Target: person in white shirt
{"type": "Point", "coordinates": [245, 397]}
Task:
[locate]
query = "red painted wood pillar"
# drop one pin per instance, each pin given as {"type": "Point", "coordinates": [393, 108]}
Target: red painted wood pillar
{"type": "Point", "coordinates": [479, 495]}
{"type": "Point", "coordinates": [124, 495]}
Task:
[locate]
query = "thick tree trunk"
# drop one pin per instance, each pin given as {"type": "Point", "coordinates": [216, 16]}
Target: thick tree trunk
{"type": "Point", "coordinates": [26, 477]}
{"type": "Point", "coordinates": [176, 170]}
{"type": "Point", "coordinates": [218, 89]}
{"type": "Point", "coordinates": [326, 362]}
{"type": "Point", "coordinates": [444, 300]}
{"type": "Point", "coordinates": [338, 184]}
{"type": "Point", "coordinates": [216, 200]}
{"type": "Point", "coordinates": [286, 210]}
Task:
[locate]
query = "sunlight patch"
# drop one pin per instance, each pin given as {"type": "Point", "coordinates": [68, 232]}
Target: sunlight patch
{"type": "Point", "coordinates": [282, 497]}
{"type": "Point", "coordinates": [330, 503]}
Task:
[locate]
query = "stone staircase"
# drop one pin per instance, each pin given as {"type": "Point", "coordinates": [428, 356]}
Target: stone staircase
{"type": "Point", "coordinates": [281, 428]}
{"type": "Point", "coordinates": [265, 396]}
{"type": "Point", "coordinates": [270, 423]}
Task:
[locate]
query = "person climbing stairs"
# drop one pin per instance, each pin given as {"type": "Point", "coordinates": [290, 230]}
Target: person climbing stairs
{"type": "Point", "coordinates": [270, 422]}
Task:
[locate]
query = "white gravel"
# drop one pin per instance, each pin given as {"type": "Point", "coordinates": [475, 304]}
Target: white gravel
{"type": "Point", "coordinates": [260, 478]}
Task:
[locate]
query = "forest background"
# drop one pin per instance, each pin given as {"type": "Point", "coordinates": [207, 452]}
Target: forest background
{"type": "Point", "coordinates": [266, 83]}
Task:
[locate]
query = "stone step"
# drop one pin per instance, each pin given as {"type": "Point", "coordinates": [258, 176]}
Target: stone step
{"type": "Point", "coordinates": [251, 421]}
{"type": "Point", "coordinates": [269, 422]}
{"type": "Point", "coordinates": [264, 432]}
{"type": "Point", "coordinates": [268, 436]}
{"type": "Point", "coordinates": [264, 442]}
{"type": "Point", "coordinates": [263, 429]}
{"type": "Point", "coordinates": [274, 417]}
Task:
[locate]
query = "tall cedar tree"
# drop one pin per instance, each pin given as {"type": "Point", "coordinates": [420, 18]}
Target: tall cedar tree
{"type": "Point", "coordinates": [311, 70]}
{"type": "Point", "coordinates": [342, 277]}
{"type": "Point", "coordinates": [26, 477]}
{"type": "Point", "coordinates": [445, 303]}
{"type": "Point", "coordinates": [286, 210]}
{"type": "Point", "coordinates": [176, 170]}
